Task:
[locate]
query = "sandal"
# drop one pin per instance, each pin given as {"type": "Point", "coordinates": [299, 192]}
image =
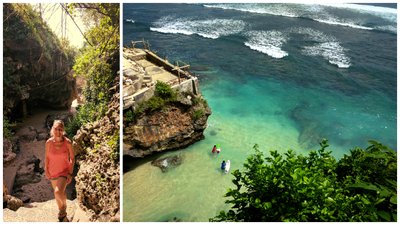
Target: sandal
{"type": "Point", "coordinates": [62, 214]}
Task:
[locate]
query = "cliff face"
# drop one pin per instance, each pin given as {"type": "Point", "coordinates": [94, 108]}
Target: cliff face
{"type": "Point", "coordinates": [176, 126]}
{"type": "Point", "coordinates": [97, 181]}
{"type": "Point", "coordinates": [36, 66]}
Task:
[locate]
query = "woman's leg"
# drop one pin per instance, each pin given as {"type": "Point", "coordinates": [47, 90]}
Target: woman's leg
{"type": "Point", "coordinates": [59, 186]}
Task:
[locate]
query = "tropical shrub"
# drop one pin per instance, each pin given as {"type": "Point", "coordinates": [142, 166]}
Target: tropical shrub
{"type": "Point", "coordinates": [290, 187]}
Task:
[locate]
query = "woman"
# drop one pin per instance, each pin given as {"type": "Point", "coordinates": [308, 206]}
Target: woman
{"type": "Point", "coordinates": [59, 165]}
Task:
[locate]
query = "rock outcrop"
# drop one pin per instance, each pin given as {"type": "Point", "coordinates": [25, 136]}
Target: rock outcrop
{"type": "Point", "coordinates": [97, 181]}
{"type": "Point", "coordinates": [154, 121]}
{"type": "Point", "coordinates": [37, 69]}
{"type": "Point", "coordinates": [176, 126]}
{"type": "Point", "coordinates": [168, 162]}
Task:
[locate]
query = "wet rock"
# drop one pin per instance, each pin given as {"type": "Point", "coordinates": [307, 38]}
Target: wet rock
{"type": "Point", "coordinates": [168, 162]}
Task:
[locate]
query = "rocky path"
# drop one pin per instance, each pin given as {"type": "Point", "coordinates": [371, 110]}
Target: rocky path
{"type": "Point", "coordinates": [45, 212]}
{"type": "Point", "coordinates": [36, 187]}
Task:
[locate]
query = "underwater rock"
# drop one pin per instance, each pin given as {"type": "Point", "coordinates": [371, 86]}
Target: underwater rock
{"type": "Point", "coordinates": [168, 162]}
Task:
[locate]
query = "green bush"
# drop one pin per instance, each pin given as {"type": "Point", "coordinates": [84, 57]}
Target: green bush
{"type": "Point", "coordinates": [129, 116]}
{"type": "Point", "coordinates": [316, 187]}
{"type": "Point", "coordinates": [89, 112]}
{"type": "Point", "coordinates": [155, 103]}
{"type": "Point", "coordinates": [113, 143]}
{"type": "Point", "coordinates": [164, 91]}
{"type": "Point", "coordinates": [197, 114]}
{"type": "Point", "coordinates": [7, 131]}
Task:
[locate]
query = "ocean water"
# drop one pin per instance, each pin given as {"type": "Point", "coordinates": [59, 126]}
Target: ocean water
{"type": "Point", "coordinates": [282, 76]}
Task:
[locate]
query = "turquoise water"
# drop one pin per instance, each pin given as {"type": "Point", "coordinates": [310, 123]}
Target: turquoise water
{"type": "Point", "coordinates": [336, 82]}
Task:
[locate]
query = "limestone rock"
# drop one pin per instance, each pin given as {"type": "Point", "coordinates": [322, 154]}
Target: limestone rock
{"type": "Point", "coordinates": [174, 127]}
{"type": "Point", "coordinates": [36, 68]}
{"type": "Point", "coordinates": [27, 172]}
{"type": "Point", "coordinates": [8, 154]}
{"type": "Point", "coordinates": [13, 203]}
{"type": "Point", "coordinates": [27, 134]}
{"type": "Point", "coordinates": [168, 162]}
{"type": "Point", "coordinates": [97, 180]}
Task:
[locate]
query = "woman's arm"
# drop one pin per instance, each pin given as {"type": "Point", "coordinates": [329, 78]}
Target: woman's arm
{"type": "Point", "coordinates": [71, 156]}
{"type": "Point", "coordinates": [46, 159]}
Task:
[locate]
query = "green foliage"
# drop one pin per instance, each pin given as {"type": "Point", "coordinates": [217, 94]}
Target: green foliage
{"type": "Point", "coordinates": [163, 95]}
{"type": "Point", "coordinates": [164, 91]}
{"type": "Point", "coordinates": [113, 143]}
{"type": "Point", "coordinates": [87, 113]}
{"type": "Point", "coordinates": [98, 62]}
{"type": "Point", "coordinates": [198, 100]}
{"type": "Point", "coordinates": [129, 116]}
{"type": "Point", "coordinates": [100, 179]}
{"type": "Point", "coordinates": [316, 187]}
{"type": "Point", "coordinates": [7, 128]}
{"type": "Point", "coordinates": [198, 113]}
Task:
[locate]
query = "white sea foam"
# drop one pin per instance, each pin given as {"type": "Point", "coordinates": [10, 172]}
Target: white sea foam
{"type": "Point", "coordinates": [130, 20]}
{"type": "Point", "coordinates": [273, 9]}
{"type": "Point", "coordinates": [206, 28]}
{"type": "Point", "coordinates": [328, 47]}
{"type": "Point", "coordinates": [345, 24]}
{"type": "Point", "coordinates": [317, 13]}
{"type": "Point", "coordinates": [331, 51]}
{"type": "Point", "coordinates": [267, 42]}
{"type": "Point", "coordinates": [389, 28]}
{"type": "Point", "coordinates": [389, 14]}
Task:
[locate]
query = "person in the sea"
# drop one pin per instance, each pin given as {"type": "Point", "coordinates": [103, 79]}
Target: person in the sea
{"type": "Point", "coordinates": [223, 164]}
{"type": "Point", "coordinates": [218, 148]}
{"type": "Point", "coordinates": [214, 149]}
{"type": "Point", "coordinates": [59, 165]}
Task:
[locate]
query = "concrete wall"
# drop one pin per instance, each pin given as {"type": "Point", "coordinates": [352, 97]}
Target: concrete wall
{"type": "Point", "coordinates": [191, 86]}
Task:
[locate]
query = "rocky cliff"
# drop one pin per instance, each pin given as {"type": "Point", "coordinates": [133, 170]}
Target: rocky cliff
{"type": "Point", "coordinates": [97, 181]}
{"type": "Point", "coordinates": [163, 107]}
{"type": "Point", "coordinates": [36, 66]}
{"type": "Point", "coordinates": [175, 126]}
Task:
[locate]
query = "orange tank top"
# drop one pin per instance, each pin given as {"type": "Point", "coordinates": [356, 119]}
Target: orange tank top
{"type": "Point", "coordinates": [59, 163]}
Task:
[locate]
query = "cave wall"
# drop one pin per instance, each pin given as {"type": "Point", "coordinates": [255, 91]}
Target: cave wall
{"type": "Point", "coordinates": [36, 67]}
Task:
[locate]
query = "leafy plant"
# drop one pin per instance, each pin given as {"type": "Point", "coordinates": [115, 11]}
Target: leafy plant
{"type": "Point", "coordinates": [292, 187]}
{"type": "Point", "coordinates": [7, 128]}
{"type": "Point", "coordinates": [86, 113]}
{"type": "Point", "coordinates": [113, 142]}
{"type": "Point", "coordinates": [164, 91]}
{"type": "Point", "coordinates": [197, 114]}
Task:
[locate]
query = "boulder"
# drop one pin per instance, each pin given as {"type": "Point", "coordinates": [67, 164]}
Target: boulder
{"type": "Point", "coordinates": [27, 172]}
{"type": "Point", "coordinates": [168, 162]}
{"type": "Point", "coordinates": [27, 134]}
{"type": "Point", "coordinates": [8, 154]}
{"type": "Point", "coordinates": [13, 203]}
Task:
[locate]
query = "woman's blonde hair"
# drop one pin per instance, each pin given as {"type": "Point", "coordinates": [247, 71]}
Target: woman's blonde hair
{"type": "Point", "coordinates": [57, 123]}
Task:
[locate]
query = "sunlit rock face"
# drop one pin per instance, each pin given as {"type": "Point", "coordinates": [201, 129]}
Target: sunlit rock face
{"type": "Point", "coordinates": [36, 67]}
